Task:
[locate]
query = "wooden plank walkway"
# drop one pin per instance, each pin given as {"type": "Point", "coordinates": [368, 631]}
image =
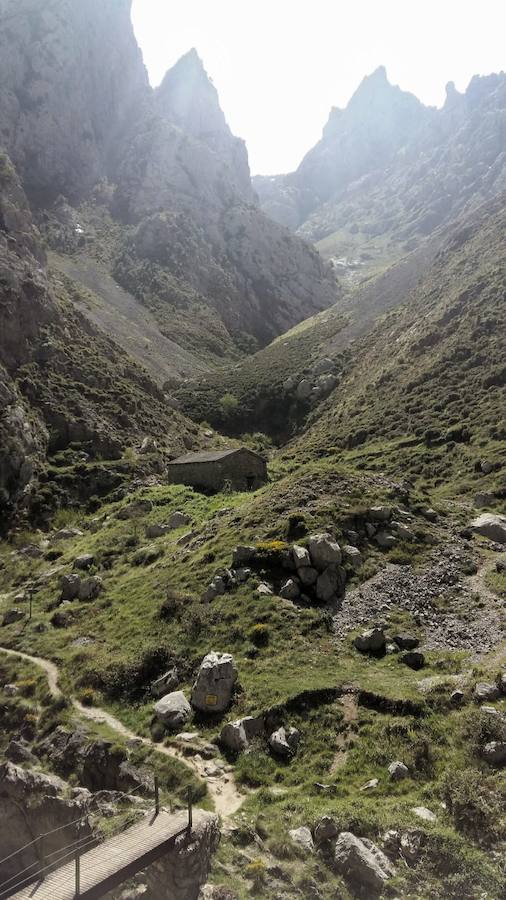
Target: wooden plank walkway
{"type": "Point", "coordinates": [109, 864]}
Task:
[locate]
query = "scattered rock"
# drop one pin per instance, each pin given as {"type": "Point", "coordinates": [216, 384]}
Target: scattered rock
{"type": "Point", "coordinates": [482, 499]}
{"type": "Point", "coordinates": [243, 556]}
{"type": "Point", "coordinates": [494, 753]}
{"type": "Point", "coordinates": [173, 710]}
{"type": "Point", "coordinates": [86, 561]}
{"type": "Point", "coordinates": [303, 838]}
{"type": "Point", "coordinates": [10, 690]}
{"type": "Point", "coordinates": [300, 556]}
{"type": "Point", "coordinates": [330, 583]}
{"type": "Point", "coordinates": [324, 551]}
{"type": "Point", "coordinates": [179, 519]}
{"type": "Point", "coordinates": [66, 534]}
{"type": "Point", "coordinates": [370, 641]}
{"type": "Point", "coordinates": [362, 862]}
{"type": "Point", "coordinates": [406, 641]}
{"type": "Point", "coordinates": [233, 736]}
{"type": "Point", "coordinates": [13, 615]}
{"type": "Point", "coordinates": [90, 588]}
{"type": "Point", "coordinates": [414, 659]}
{"type": "Point", "coordinates": [304, 389]}
{"type": "Point", "coordinates": [284, 741]}
{"type": "Point", "coordinates": [325, 830]}
{"type": "Point", "coordinates": [135, 509]}
{"type": "Point", "coordinates": [323, 366]}
{"type": "Point", "coordinates": [411, 844]}
{"type": "Point", "coordinates": [398, 770]}
{"type": "Point", "coordinates": [484, 691]}
{"type": "Point", "coordinates": [70, 586]}
{"type": "Point", "coordinates": [486, 466]}
{"type": "Point", "coordinates": [457, 697]}
{"type": "Point", "coordinates": [155, 531]}
{"type": "Point", "coordinates": [423, 813]}
{"type": "Point", "coordinates": [384, 540]}
{"type": "Point", "coordinates": [19, 752]}
{"type": "Point", "coordinates": [32, 551]}
{"type": "Point", "coordinates": [165, 683]}
{"type": "Point", "coordinates": [501, 682]}
{"type": "Point", "coordinates": [491, 526]}
{"type": "Point", "coordinates": [380, 513]}
{"type": "Point", "coordinates": [308, 576]}
{"type": "Point", "coordinates": [373, 783]}
{"type": "Point", "coordinates": [264, 590]}
{"type": "Point", "coordinates": [212, 691]}
{"type": "Point", "coordinates": [353, 557]}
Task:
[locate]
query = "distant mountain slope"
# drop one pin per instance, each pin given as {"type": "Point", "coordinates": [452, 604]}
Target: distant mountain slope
{"type": "Point", "coordinates": [79, 119]}
{"type": "Point", "coordinates": [388, 171]}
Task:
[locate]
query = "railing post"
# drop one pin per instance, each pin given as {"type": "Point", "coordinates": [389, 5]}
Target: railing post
{"type": "Point", "coordinates": [190, 809]}
{"type": "Point", "coordinates": [78, 874]}
{"type": "Point", "coordinates": [41, 857]}
{"type": "Point", "coordinates": [157, 794]}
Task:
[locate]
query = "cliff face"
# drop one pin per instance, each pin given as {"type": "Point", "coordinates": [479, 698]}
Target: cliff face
{"type": "Point", "coordinates": [388, 171]}
{"type": "Point", "coordinates": [71, 82]}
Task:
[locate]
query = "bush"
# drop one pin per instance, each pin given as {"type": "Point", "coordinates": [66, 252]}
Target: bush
{"type": "Point", "coordinates": [87, 697]}
{"type": "Point", "coordinates": [256, 870]}
{"type": "Point", "coordinates": [474, 803]}
{"type": "Point", "coordinates": [259, 635]}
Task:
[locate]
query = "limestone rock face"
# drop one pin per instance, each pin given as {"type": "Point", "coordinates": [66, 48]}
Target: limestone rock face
{"type": "Point", "coordinates": [212, 691]}
{"type": "Point", "coordinates": [33, 803]}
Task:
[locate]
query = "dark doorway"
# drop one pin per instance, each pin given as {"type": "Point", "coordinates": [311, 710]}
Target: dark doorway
{"type": "Point", "coordinates": [250, 482]}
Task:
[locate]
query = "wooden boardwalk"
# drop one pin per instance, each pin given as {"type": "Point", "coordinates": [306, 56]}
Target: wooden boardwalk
{"type": "Point", "coordinates": [115, 860]}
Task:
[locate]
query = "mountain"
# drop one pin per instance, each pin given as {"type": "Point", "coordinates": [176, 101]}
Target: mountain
{"type": "Point", "coordinates": [160, 265]}
{"type": "Point", "coordinates": [388, 171]}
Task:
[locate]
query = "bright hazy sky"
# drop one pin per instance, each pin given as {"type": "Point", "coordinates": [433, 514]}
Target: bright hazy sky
{"type": "Point", "coordinates": [279, 65]}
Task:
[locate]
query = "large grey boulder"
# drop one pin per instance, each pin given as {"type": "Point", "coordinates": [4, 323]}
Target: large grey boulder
{"type": "Point", "coordinates": [495, 753]}
{"type": "Point", "coordinates": [303, 838]}
{"type": "Point", "coordinates": [330, 583]}
{"type": "Point", "coordinates": [135, 509]}
{"type": "Point", "coordinates": [380, 513]}
{"type": "Point", "coordinates": [66, 534]}
{"type": "Point", "coordinates": [491, 526]}
{"type": "Point", "coordinates": [237, 735]}
{"type": "Point", "coordinates": [179, 519]}
{"type": "Point", "coordinates": [70, 586]}
{"type": "Point", "coordinates": [324, 551]}
{"type": "Point", "coordinates": [214, 685]}
{"type": "Point", "coordinates": [284, 741]}
{"type": "Point", "coordinates": [90, 588]}
{"type": "Point", "coordinates": [243, 556]}
{"type": "Point", "coordinates": [301, 556]}
{"type": "Point", "coordinates": [155, 531]}
{"type": "Point", "coordinates": [484, 691]}
{"type": "Point", "coordinates": [397, 770]}
{"type": "Point", "coordinates": [370, 641]}
{"type": "Point", "coordinates": [173, 710]}
{"type": "Point", "coordinates": [353, 557]}
{"type": "Point", "coordinates": [307, 576]}
{"type": "Point", "coordinates": [362, 862]}
{"type": "Point", "coordinates": [84, 562]}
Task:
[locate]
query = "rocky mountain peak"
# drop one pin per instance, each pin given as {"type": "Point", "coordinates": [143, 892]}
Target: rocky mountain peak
{"type": "Point", "coordinates": [189, 99]}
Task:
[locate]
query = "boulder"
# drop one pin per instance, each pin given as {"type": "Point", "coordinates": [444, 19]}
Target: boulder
{"type": "Point", "coordinates": [32, 551]}
{"type": "Point", "coordinates": [179, 519]}
{"type": "Point", "coordinates": [482, 499]}
{"type": "Point", "coordinates": [330, 584]}
{"type": "Point", "coordinates": [457, 697]}
{"type": "Point", "coordinates": [325, 830]}
{"type": "Point", "coordinates": [165, 683]}
{"type": "Point", "coordinates": [323, 366]}
{"type": "Point", "coordinates": [486, 466]}
{"type": "Point", "coordinates": [173, 710]}
{"type": "Point", "coordinates": [361, 862]}
{"type": "Point", "coordinates": [18, 751]}
{"type": "Point", "coordinates": [491, 526]}
{"type": "Point", "coordinates": [148, 445]}
{"type": "Point", "coordinates": [371, 641]}
{"type": "Point", "coordinates": [307, 576]}
{"type": "Point", "coordinates": [86, 561]}
{"type": "Point", "coordinates": [264, 590]}
{"type": "Point", "coordinates": [135, 509]}
{"type": "Point", "coordinates": [13, 615]}
{"type": "Point", "coordinates": [66, 534]}
{"type": "Point", "coordinates": [380, 513]}
{"type": "Point", "coordinates": [414, 659]}
{"type": "Point", "coordinates": [290, 590]}
{"type": "Point", "coordinates": [70, 586]}
{"type": "Point", "coordinates": [494, 753]}
{"type": "Point", "coordinates": [397, 770]}
{"type": "Point", "coordinates": [384, 540]}
{"type": "Point", "coordinates": [484, 691]}
{"type": "Point", "coordinates": [304, 389]}
{"type": "Point", "coordinates": [303, 838]}
{"type": "Point", "coordinates": [301, 556]}
{"type": "Point", "coordinates": [411, 843]}
{"type": "Point", "coordinates": [423, 813]}
{"type": "Point", "coordinates": [402, 531]}
{"type": "Point", "coordinates": [284, 741]}
{"type": "Point", "coordinates": [155, 531]}
{"type": "Point", "coordinates": [406, 641]}
{"type": "Point", "coordinates": [243, 556]}
{"type": "Point", "coordinates": [233, 736]}
{"type": "Point", "coordinates": [353, 557]}
{"type": "Point", "coordinates": [89, 588]}
{"type": "Point", "coordinates": [10, 690]}
{"type": "Point", "coordinates": [212, 691]}
{"type": "Point", "coordinates": [501, 682]}
{"type": "Point", "coordinates": [324, 551]}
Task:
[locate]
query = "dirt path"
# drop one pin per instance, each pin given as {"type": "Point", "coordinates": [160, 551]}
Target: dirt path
{"type": "Point", "coordinates": [349, 703]}
{"type": "Point", "coordinates": [222, 788]}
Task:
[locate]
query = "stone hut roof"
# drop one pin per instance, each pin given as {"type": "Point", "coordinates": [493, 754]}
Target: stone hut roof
{"type": "Point", "coordinates": [205, 456]}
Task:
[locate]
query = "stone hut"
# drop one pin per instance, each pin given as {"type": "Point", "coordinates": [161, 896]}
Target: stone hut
{"type": "Point", "coordinates": [238, 467]}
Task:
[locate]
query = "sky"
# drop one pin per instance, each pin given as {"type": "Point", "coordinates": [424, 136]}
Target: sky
{"type": "Point", "coordinates": [280, 65]}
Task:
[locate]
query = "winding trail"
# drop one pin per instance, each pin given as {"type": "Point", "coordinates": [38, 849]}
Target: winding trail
{"type": "Point", "coordinates": [222, 788]}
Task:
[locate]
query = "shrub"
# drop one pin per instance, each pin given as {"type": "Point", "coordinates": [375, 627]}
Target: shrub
{"type": "Point", "coordinates": [259, 635]}
{"type": "Point", "coordinates": [228, 405]}
{"type": "Point", "coordinates": [256, 871]}
{"type": "Point", "coordinates": [474, 803]}
{"type": "Point", "coordinates": [87, 697]}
